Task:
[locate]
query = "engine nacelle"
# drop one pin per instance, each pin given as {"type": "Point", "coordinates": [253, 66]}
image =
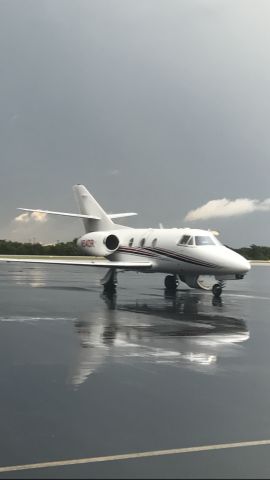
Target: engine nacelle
{"type": "Point", "coordinates": [98, 244]}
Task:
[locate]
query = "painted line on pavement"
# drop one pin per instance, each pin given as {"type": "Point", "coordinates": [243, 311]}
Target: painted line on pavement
{"type": "Point", "coordinates": [130, 456]}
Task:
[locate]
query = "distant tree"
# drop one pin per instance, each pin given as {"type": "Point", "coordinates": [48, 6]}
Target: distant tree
{"type": "Point", "coordinates": [8, 247]}
{"type": "Point", "coordinates": [255, 252]}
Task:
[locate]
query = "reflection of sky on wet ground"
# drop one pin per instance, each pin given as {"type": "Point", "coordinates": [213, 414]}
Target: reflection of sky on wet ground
{"type": "Point", "coordinates": [189, 329]}
{"type": "Point", "coordinates": [167, 330]}
{"type": "Point", "coordinates": [163, 330]}
{"type": "Point", "coordinates": [83, 373]}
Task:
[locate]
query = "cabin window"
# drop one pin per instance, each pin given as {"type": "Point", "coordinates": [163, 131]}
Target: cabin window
{"type": "Point", "coordinates": [142, 242]}
{"type": "Point", "coordinates": [154, 243]}
{"type": "Point", "coordinates": [131, 242]}
{"type": "Point", "coordinates": [204, 240]}
{"type": "Point", "coordinates": [184, 240]}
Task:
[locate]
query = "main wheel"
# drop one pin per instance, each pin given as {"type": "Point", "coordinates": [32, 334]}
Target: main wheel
{"type": "Point", "coordinates": [109, 282]}
{"type": "Point", "coordinates": [217, 290]}
{"type": "Point", "coordinates": [171, 283]}
{"type": "Point", "coordinates": [110, 287]}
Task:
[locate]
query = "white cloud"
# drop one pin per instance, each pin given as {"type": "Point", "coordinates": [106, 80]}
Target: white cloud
{"type": "Point", "coordinates": [34, 216]}
{"type": "Point", "coordinates": [39, 217]}
{"type": "Point", "coordinates": [23, 218]}
{"type": "Point", "coordinates": [227, 208]}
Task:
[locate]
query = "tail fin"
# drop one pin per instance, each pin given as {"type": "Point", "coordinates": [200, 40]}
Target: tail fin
{"type": "Point", "coordinates": [89, 206]}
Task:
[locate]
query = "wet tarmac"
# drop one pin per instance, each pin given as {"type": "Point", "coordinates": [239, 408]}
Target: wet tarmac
{"type": "Point", "coordinates": [87, 375]}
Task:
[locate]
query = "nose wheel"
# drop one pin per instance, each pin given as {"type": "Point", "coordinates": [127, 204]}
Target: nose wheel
{"type": "Point", "coordinates": [217, 289]}
{"type": "Point", "coordinates": [171, 282]}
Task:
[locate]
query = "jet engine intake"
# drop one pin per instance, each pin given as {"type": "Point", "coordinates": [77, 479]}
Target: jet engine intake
{"type": "Point", "coordinates": [112, 242]}
{"type": "Point", "coordinates": [98, 244]}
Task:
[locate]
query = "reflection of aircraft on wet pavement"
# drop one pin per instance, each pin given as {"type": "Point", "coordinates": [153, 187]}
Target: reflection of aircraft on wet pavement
{"type": "Point", "coordinates": [194, 256]}
{"type": "Point", "coordinates": [172, 330]}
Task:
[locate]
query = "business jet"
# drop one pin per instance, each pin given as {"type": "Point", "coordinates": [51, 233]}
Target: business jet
{"type": "Point", "coordinates": [185, 254]}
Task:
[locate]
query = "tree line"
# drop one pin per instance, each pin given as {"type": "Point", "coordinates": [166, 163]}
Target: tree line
{"type": "Point", "coordinates": [7, 247]}
{"type": "Point", "coordinates": [254, 252]}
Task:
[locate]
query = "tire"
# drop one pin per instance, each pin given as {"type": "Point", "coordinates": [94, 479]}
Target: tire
{"type": "Point", "coordinates": [217, 290]}
{"type": "Point", "coordinates": [170, 282]}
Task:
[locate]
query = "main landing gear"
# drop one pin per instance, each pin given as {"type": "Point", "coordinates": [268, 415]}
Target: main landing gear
{"type": "Point", "coordinates": [109, 282]}
{"type": "Point", "coordinates": [171, 282]}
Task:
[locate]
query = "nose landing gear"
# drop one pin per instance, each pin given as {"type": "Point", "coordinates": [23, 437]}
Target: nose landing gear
{"type": "Point", "coordinates": [217, 289]}
{"type": "Point", "coordinates": [171, 282]}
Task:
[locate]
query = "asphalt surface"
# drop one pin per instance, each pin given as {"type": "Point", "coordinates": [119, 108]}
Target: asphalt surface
{"type": "Point", "coordinates": [84, 375]}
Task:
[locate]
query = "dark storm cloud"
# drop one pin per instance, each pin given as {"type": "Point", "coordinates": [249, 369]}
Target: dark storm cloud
{"type": "Point", "coordinates": [156, 106]}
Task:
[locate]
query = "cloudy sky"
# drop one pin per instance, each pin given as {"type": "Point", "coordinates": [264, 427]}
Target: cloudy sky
{"type": "Point", "coordinates": [160, 107]}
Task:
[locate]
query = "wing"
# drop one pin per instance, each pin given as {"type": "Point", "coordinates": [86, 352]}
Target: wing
{"type": "Point", "coordinates": [78, 215]}
{"type": "Point", "coordinates": [82, 263]}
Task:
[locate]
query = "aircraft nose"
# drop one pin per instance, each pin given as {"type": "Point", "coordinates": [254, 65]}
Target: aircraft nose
{"type": "Point", "coordinates": [244, 265]}
{"type": "Point", "coordinates": [238, 264]}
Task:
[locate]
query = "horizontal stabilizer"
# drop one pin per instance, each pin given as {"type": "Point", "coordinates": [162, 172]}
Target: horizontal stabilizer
{"type": "Point", "coordinates": [121, 215]}
{"type": "Point", "coordinates": [78, 215]}
{"type": "Point", "coordinates": [81, 263]}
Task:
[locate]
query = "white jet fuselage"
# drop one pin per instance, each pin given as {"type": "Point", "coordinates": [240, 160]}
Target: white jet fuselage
{"type": "Point", "coordinates": [202, 254]}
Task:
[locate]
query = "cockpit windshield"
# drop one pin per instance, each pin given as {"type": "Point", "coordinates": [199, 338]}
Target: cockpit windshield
{"type": "Point", "coordinates": [185, 240]}
{"type": "Point", "coordinates": [204, 240]}
{"type": "Point", "coordinates": [199, 240]}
